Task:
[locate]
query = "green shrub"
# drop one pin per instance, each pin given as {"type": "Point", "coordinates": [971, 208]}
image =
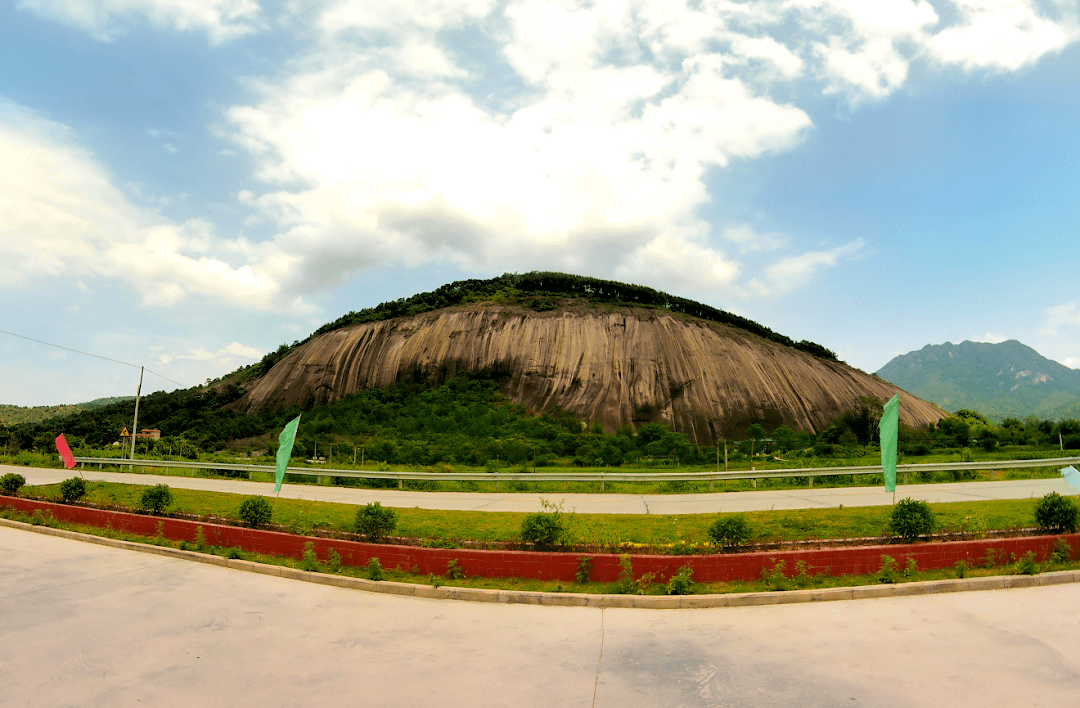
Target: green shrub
{"type": "Point", "coordinates": [626, 584]}
{"type": "Point", "coordinates": [255, 512]}
{"type": "Point", "coordinates": [374, 569]}
{"type": "Point", "coordinates": [375, 522]}
{"type": "Point", "coordinates": [72, 490]}
{"type": "Point", "coordinates": [233, 553]}
{"type": "Point", "coordinates": [681, 584]}
{"type": "Point", "coordinates": [774, 577]}
{"type": "Point", "coordinates": [454, 571]}
{"type": "Point", "coordinates": [910, 519]}
{"type": "Point", "coordinates": [802, 577]}
{"type": "Point", "coordinates": [1062, 552]}
{"type": "Point", "coordinates": [333, 561]}
{"type": "Point", "coordinates": [1027, 565]}
{"type": "Point", "coordinates": [961, 569]}
{"type": "Point", "coordinates": [1056, 514]}
{"type": "Point", "coordinates": [545, 529]}
{"type": "Point", "coordinates": [888, 572]}
{"type": "Point", "coordinates": [156, 499]}
{"type": "Point", "coordinates": [310, 561]}
{"type": "Point", "coordinates": [11, 482]}
{"type": "Point", "coordinates": [730, 530]}
{"type": "Point", "coordinates": [584, 569]}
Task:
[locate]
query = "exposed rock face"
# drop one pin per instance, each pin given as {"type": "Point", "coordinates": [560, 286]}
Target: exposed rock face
{"type": "Point", "coordinates": [704, 379]}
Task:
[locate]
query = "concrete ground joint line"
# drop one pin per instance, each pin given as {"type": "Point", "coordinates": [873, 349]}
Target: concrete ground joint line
{"type": "Point", "coordinates": [646, 505]}
{"type": "Point", "coordinates": [599, 659]}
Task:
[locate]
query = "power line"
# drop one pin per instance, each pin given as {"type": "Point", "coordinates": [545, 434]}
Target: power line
{"type": "Point", "coordinates": [96, 356]}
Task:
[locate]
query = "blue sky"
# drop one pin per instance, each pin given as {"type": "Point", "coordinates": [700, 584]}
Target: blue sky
{"type": "Point", "coordinates": [189, 183]}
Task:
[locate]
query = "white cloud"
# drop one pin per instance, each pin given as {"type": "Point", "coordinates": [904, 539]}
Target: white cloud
{"type": "Point", "coordinates": [386, 142]}
{"type": "Point", "coordinates": [106, 20]}
{"type": "Point", "coordinates": [225, 355]}
{"type": "Point", "coordinates": [871, 58]}
{"type": "Point", "coordinates": [1060, 316]}
{"type": "Point", "coordinates": [598, 160]}
{"type": "Point", "coordinates": [601, 161]}
{"type": "Point", "coordinates": [1073, 362]}
{"type": "Point", "coordinates": [791, 273]}
{"type": "Point", "coordinates": [991, 338]}
{"type": "Point", "coordinates": [61, 216]}
{"type": "Point", "coordinates": [1001, 34]}
{"type": "Point", "coordinates": [750, 239]}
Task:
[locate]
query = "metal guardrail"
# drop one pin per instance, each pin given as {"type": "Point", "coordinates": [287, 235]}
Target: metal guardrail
{"type": "Point", "coordinates": [600, 477]}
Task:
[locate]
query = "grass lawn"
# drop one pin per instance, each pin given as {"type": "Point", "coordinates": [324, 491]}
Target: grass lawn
{"type": "Point", "coordinates": [608, 531]}
{"type": "Point", "coordinates": [672, 487]}
{"type": "Point", "coordinates": [769, 582]}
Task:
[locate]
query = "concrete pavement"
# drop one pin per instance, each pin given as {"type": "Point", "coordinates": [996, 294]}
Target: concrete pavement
{"type": "Point", "coordinates": [796, 498]}
{"type": "Point", "coordinates": [91, 626]}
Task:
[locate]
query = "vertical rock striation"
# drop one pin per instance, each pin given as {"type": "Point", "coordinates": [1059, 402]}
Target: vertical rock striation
{"type": "Point", "coordinates": [614, 365]}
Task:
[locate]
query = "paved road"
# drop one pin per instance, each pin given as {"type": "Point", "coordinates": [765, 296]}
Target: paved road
{"type": "Point", "coordinates": [801, 498]}
{"type": "Point", "coordinates": [86, 625]}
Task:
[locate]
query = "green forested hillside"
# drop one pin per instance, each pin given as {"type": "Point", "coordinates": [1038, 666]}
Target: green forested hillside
{"type": "Point", "coordinates": [1004, 380]}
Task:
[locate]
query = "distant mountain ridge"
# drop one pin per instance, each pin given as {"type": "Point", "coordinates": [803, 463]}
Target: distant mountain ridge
{"type": "Point", "coordinates": [16, 415]}
{"type": "Point", "coordinates": [1004, 380]}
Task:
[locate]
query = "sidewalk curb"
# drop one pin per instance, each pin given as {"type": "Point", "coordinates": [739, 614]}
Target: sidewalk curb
{"type": "Point", "coordinates": [655, 602]}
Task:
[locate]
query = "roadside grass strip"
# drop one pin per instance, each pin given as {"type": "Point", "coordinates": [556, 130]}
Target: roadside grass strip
{"type": "Point", "coordinates": [673, 533]}
{"type": "Point", "coordinates": [768, 591]}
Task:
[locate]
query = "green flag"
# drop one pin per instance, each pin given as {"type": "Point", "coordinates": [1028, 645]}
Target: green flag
{"type": "Point", "coordinates": [284, 451]}
{"type": "Point", "coordinates": [889, 429]}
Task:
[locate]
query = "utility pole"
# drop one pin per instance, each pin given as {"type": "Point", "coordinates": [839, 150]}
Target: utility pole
{"type": "Point", "coordinates": [135, 423]}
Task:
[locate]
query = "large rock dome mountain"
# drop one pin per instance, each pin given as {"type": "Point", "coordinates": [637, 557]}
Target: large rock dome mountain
{"type": "Point", "coordinates": [616, 363]}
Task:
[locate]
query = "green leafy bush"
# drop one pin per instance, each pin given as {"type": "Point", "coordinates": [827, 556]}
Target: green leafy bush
{"type": "Point", "coordinates": [889, 572]}
{"type": "Point", "coordinates": [374, 569]}
{"type": "Point", "coordinates": [681, 584]}
{"type": "Point", "coordinates": [547, 528]}
{"type": "Point", "coordinates": [1062, 552]}
{"type": "Point", "coordinates": [911, 518]}
{"type": "Point", "coordinates": [72, 490]}
{"type": "Point", "coordinates": [584, 569]}
{"type": "Point", "coordinates": [454, 571]}
{"type": "Point", "coordinates": [156, 499]}
{"type": "Point", "coordinates": [1027, 565]}
{"type": "Point", "coordinates": [310, 561]}
{"type": "Point", "coordinates": [333, 561]}
{"type": "Point", "coordinates": [11, 482]}
{"type": "Point", "coordinates": [255, 512]}
{"type": "Point", "coordinates": [375, 522]}
{"type": "Point", "coordinates": [1055, 513]}
{"type": "Point", "coordinates": [775, 577]}
{"type": "Point", "coordinates": [730, 530]}
{"type": "Point", "coordinates": [627, 584]}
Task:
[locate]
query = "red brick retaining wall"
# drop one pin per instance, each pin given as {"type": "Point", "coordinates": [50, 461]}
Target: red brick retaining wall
{"type": "Point", "coordinates": [845, 560]}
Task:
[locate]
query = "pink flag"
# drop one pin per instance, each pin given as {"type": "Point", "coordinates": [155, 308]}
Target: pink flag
{"type": "Point", "coordinates": [65, 451]}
